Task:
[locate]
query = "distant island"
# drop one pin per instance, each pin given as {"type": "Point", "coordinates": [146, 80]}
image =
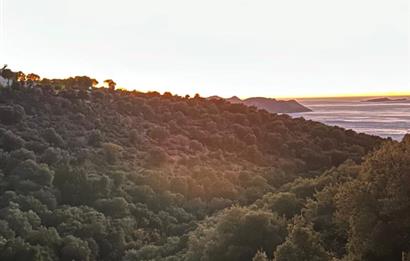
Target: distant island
{"type": "Point", "coordinates": [385, 99]}
{"type": "Point", "coordinates": [269, 104]}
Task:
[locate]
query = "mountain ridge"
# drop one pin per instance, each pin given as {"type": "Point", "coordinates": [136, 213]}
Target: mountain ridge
{"type": "Point", "coordinates": [270, 104]}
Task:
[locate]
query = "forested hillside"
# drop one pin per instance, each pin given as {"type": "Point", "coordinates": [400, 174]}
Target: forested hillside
{"type": "Point", "coordinates": [102, 174]}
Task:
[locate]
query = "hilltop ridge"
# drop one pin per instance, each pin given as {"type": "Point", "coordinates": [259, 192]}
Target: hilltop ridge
{"type": "Point", "coordinates": [269, 104]}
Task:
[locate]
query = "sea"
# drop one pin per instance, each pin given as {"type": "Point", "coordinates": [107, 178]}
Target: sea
{"type": "Point", "coordinates": [385, 119]}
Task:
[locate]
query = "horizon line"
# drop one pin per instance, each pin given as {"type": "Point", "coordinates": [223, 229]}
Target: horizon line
{"type": "Point", "coordinates": [336, 96]}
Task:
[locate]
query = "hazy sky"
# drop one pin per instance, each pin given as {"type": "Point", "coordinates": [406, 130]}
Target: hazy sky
{"type": "Point", "coordinates": [275, 48]}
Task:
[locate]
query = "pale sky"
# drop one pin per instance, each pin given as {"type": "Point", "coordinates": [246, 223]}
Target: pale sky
{"type": "Point", "coordinates": [273, 48]}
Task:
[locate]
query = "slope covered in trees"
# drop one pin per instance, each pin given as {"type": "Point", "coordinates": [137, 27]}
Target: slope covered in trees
{"type": "Point", "coordinates": [103, 174]}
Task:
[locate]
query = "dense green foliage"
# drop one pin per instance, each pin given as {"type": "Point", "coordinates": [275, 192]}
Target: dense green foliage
{"type": "Point", "coordinates": [102, 174]}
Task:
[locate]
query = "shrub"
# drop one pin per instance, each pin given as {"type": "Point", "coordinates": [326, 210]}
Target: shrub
{"type": "Point", "coordinates": [30, 170]}
{"type": "Point", "coordinates": [156, 157]}
{"type": "Point", "coordinates": [51, 155]}
{"type": "Point", "coordinates": [302, 243]}
{"type": "Point", "coordinates": [75, 249]}
{"type": "Point", "coordinates": [158, 133]}
{"type": "Point", "coordinates": [95, 138]}
{"type": "Point", "coordinates": [11, 114]}
{"type": "Point", "coordinates": [236, 234]}
{"type": "Point", "coordinates": [111, 151]}
{"type": "Point", "coordinates": [51, 136]}
{"type": "Point", "coordinates": [10, 141]}
{"type": "Point", "coordinates": [196, 145]}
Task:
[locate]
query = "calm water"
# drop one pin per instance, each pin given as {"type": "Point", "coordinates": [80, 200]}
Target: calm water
{"type": "Point", "coordinates": [386, 119]}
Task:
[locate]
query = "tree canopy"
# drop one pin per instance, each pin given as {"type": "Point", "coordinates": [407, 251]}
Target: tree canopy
{"type": "Point", "coordinates": [91, 173]}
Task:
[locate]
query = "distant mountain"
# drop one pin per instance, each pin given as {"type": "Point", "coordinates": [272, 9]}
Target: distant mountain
{"type": "Point", "coordinates": [234, 99]}
{"type": "Point", "coordinates": [269, 104]}
{"type": "Point", "coordinates": [385, 99]}
{"type": "Point", "coordinates": [273, 105]}
{"type": "Point", "coordinates": [215, 97]}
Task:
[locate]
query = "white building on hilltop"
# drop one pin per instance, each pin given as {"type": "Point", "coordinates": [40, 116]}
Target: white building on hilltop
{"type": "Point", "coordinates": [5, 82]}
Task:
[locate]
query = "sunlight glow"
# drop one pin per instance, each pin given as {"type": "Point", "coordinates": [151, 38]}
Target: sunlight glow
{"type": "Point", "coordinates": [173, 45]}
